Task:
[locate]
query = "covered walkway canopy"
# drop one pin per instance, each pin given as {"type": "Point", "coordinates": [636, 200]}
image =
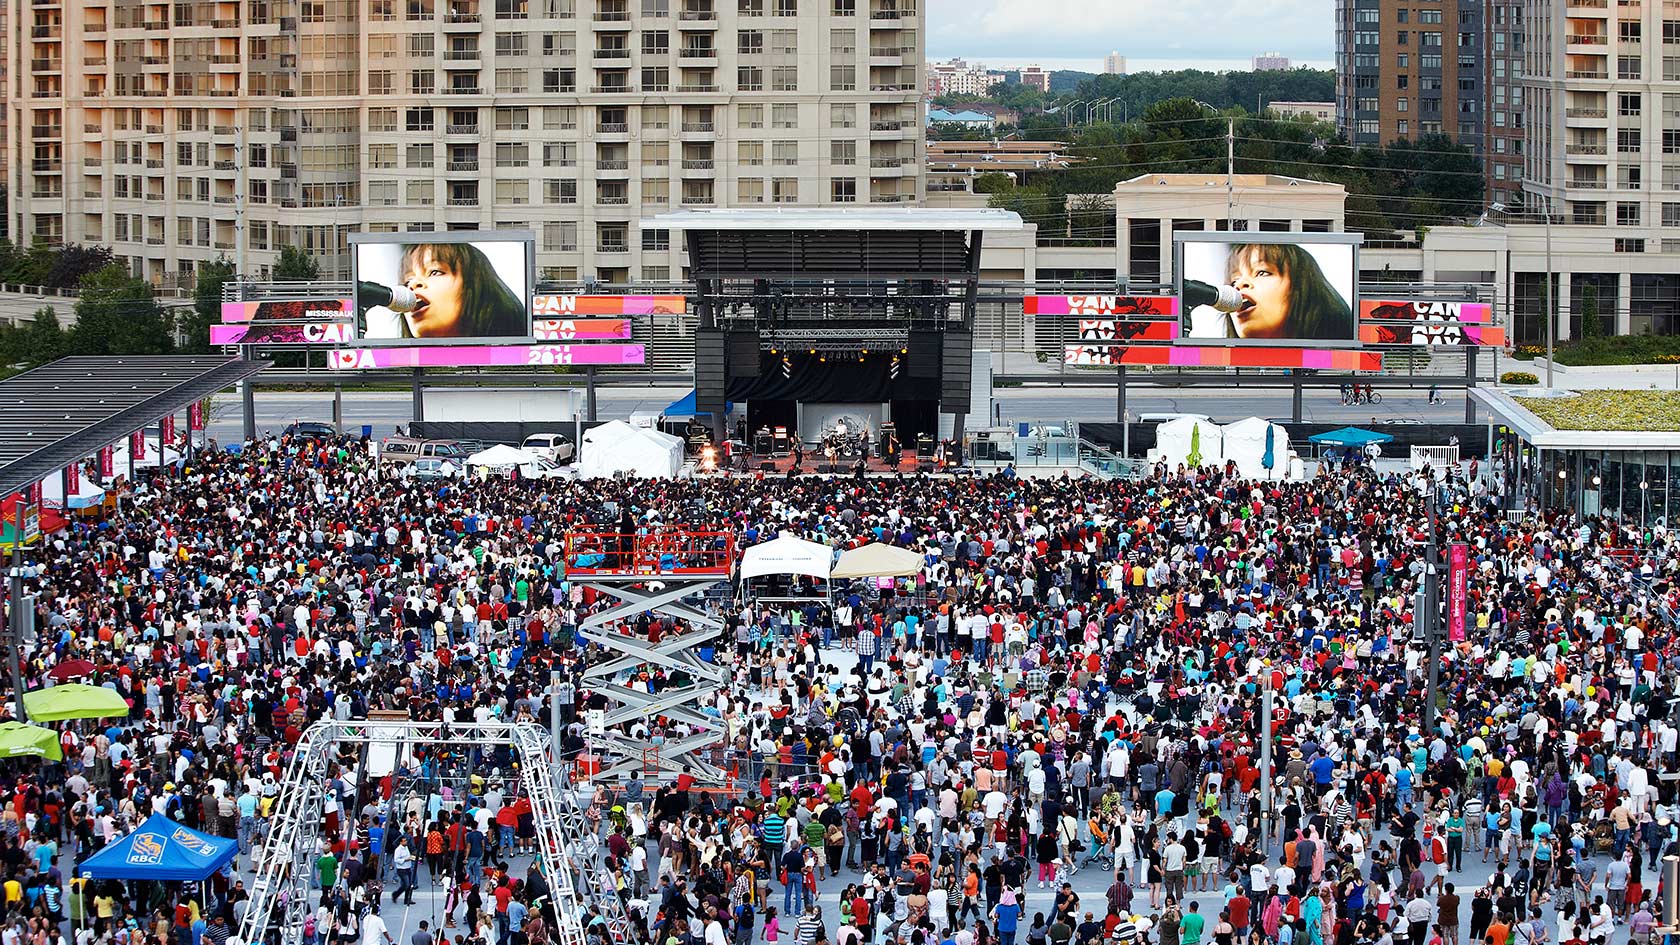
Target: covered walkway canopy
{"type": "Point", "coordinates": [161, 849]}
{"type": "Point", "coordinates": [63, 412]}
{"type": "Point", "coordinates": [1349, 436]}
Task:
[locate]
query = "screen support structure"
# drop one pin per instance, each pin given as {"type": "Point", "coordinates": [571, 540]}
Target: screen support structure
{"type": "Point", "coordinates": [567, 844]}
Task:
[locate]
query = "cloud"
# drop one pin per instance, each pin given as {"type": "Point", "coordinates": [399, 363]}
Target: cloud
{"type": "Point", "coordinates": [1183, 29]}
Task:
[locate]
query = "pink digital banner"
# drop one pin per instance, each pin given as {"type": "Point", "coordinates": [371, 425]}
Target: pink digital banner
{"type": "Point", "coordinates": [287, 310]}
{"type": "Point", "coordinates": [1458, 590]}
{"type": "Point", "coordinates": [363, 359]}
{"type": "Point", "coordinates": [580, 329]}
{"type": "Point", "coordinates": [256, 333]}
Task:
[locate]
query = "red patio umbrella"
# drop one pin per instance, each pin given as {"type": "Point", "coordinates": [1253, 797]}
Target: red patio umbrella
{"type": "Point", "coordinates": [71, 669]}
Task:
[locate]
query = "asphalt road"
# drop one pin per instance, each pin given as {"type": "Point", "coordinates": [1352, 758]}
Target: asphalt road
{"type": "Point", "coordinates": [385, 410]}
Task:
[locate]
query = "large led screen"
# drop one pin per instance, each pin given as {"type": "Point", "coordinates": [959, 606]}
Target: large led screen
{"type": "Point", "coordinates": [443, 285]}
{"type": "Point", "coordinates": [1268, 288]}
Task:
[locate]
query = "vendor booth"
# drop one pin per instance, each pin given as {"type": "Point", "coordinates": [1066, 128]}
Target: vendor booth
{"type": "Point", "coordinates": [161, 849]}
{"type": "Point", "coordinates": [776, 565]}
{"type": "Point", "coordinates": [1259, 448]}
{"type": "Point", "coordinates": [617, 447]}
{"type": "Point", "coordinates": [1189, 441]}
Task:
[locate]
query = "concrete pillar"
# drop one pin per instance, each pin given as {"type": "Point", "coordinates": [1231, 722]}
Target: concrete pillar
{"type": "Point", "coordinates": [1563, 307]}
{"type": "Point", "coordinates": [1624, 303]}
{"type": "Point", "coordinates": [1122, 247]}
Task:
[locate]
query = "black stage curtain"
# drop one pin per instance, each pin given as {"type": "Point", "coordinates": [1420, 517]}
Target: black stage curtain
{"type": "Point", "coordinates": [837, 380]}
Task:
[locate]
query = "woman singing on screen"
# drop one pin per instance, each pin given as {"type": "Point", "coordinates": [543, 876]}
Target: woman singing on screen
{"type": "Point", "coordinates": [460, 294]}
{"type": "Point", "coordinates": [1285, 295]}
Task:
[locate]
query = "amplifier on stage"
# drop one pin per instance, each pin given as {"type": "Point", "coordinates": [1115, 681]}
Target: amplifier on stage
{"type": "Point", "coordinates": [889, 432]}
{"type": "Point", "coordinates": [924, 446]}
{"type": "Point", "coordinates": [763, 443]}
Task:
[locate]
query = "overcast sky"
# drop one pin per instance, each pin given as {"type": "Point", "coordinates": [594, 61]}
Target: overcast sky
{"type": "Point", "coordinates": [1076, 34]}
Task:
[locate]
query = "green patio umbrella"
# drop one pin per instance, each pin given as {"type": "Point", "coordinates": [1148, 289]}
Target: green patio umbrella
{"type": "Point", "coordinates": [17, 738]}
{"type": "Point", "coordinates": [74, 701]}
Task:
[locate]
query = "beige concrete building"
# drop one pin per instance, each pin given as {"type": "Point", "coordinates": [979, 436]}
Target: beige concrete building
{"type": "Point", "coordinates": [177, 132]}
{"type": "Point", "coordinates": [1318, 111]}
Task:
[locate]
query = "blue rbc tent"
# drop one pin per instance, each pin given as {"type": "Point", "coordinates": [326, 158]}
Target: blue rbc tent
{"type": "Point", "coordinates": [1349, 436]}
{"type": "Point", "coordinates": [161, 849]}
{"type": "Point", "coordinates": [683, 407]}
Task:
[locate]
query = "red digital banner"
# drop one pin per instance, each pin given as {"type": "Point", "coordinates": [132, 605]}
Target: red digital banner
{"type": "Point", "coordinates": [1165, 306]}
{"type": "Point", "coordinates": [195, 416]}
{"type": "Point", "coordinates": [1420, 322]}
{"type": "Point", "coordinates": [1458, 590]}
{"type": "Point", "coordinates": [137, 444]}
{"type": "Point", "coordinates": [580, 329]}
{"type": "Point", "coordinates": [1222, 356]}
{"type": "Point", "coordinates": [1108, 329]}
{"type": "Point", "coordinates": [166, 428]}
{"type": "Point", "coordinates": [1434, 333]}
{"type": "Point", "coordinates": [362, 359]}
{"type": "Point", "coordinates": [35, 494]}
{"type": "Point", "coordinates": [107, 462]}
{"type": "Point", "coordinates": [564, 306]}
{"type": "Point", "coordinates": [1417, 310]}
{"type": "Point", "coordinates": [72, 481]}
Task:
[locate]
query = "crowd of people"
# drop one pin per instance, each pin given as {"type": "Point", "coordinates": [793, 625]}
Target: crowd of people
{"type": "Point", "coordinates": [1072, 687]}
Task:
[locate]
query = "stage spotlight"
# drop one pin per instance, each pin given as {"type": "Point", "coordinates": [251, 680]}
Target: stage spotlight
{"type": "Point", "coordinates": [772, 350]}
{"type": "Point", "coordinates": [904, 351]}
{"type": "Point", "coordinates": [865, 351]}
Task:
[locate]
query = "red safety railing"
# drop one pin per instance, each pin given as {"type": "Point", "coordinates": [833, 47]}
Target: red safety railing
{"type": "Point", "coordinates": [653, 552]}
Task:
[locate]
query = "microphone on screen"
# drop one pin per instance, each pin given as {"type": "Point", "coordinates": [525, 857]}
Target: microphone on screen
{"type": "Point", "coordinates": [1223, 298]}
{"type": "Point", "coordinates": [396, 298]}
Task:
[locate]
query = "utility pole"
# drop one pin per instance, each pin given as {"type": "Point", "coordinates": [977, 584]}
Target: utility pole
{"type": "Point", "coordinates": [1230, 173]}
{"type": "Point", "coordinates": [16, 618]}
{"type": "Point", "coordinates": [1551, 314]}
{"type": "Point", "coordinates": [1266, 697]}
{"type": "Point", "coordinates": [1431, 616]}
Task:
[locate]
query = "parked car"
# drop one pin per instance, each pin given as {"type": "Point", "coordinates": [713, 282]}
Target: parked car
{"type": "Point", "coordinates": [309, 428]}
{"type": "Point", "coordinates": [408, 449]}
{"type": "Point", "coordinates": [546, 469]}
{"type": "Point", "coordinates": [434, 468]}
{"type": "Point", "coordinates": [555, 447]}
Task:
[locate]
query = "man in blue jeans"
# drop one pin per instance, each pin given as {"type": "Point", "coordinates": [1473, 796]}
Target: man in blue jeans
{"type": "Point", "coordinates": [793, 880]}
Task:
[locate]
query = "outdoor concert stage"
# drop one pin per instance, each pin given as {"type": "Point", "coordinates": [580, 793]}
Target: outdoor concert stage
{"type": "Point", "coordinates": [875, 466]}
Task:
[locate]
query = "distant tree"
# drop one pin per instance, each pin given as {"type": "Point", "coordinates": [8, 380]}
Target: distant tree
{"type": "Point", "coordinates": [73, 263]}
{"type": "Point", "coordinates": [993, 182]}
{"type": "Point", "coordinates": [1591, 326]}
{"type": "Point", "coordinates": [119, 314]}
{"type": "Point", "coordinates": [44, 337]}
{"type": "Point", "coordinates": [295, 265]}
{"type": "Point", "coordinates": [207, 304]}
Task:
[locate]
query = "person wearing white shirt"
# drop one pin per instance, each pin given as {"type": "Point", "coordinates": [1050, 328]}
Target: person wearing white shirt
{"type": "Point", "coordinates": [374, 931]}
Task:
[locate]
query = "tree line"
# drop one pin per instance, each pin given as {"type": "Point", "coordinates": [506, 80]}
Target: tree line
{"type": "Point", "coordinates": [117, 313]}
{"type": "Point", "coordinates": [1405, 185]}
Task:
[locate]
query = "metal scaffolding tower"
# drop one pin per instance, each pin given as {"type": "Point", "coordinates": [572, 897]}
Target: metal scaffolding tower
{"type": "Point", "coordinates": [653, 571]}
{"type": "Point", "coordinates": [567, 845]}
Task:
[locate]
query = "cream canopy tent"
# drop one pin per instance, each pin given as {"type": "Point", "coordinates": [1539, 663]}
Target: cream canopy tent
{"type": "Point", "coordinates": [1246, 444]}
{"type": "Point", "coordinates": [617, 447]}
{"type": "Point", "coordinates": [1191, 441]}
{"type": "Point", "coordinates": [501, 455]}
{"type": "Point", "coordinates": [88, 493]}
{"type": "Point", "coordinates": [877, 560]}
{"type": "Point", "coordinates": [787, 554]}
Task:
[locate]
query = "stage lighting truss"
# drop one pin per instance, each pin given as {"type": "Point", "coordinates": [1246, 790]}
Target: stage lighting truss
{"type": "Point", "coordinates": [567, 843]}
{"type": "Point", "coordinates": [833, 342]}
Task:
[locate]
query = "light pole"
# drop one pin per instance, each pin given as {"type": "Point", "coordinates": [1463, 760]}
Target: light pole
{"type": "Point", "coordinates": [1551, 314]}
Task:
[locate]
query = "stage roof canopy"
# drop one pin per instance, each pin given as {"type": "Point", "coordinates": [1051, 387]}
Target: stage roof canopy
{"type": "Point", "coordinates": [896, 219]}
{"type": "Point", "coordinates": [67, 410]}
